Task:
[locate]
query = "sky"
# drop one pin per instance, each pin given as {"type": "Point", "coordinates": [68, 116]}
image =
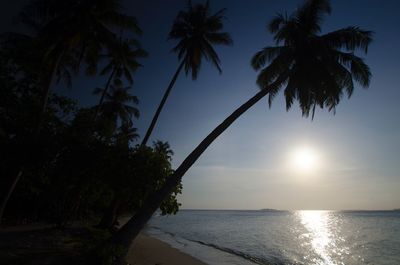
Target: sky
{"type": "Point", "coordinates": [353, 156]}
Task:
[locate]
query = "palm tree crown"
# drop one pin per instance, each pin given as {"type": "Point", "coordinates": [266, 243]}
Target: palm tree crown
{"type": "Point", "coordinates": [122, 63]}
{"type": "Point", "coordinates": [82, 26]}
{"type": "Point", "coordinates": [163, 148]}
{"type": "Point", "coordinates": [73, 31]}
{"type": "Point", "coordinates": [197, 31]}
{"type": "Point", "coordinates": [314, 69]}
{"type": "Point", "coordinates": [125, 134]}
{"type": "Point", "coordinates": [123, 57]}
{"type": "Point", "coordinates": [119, 104]}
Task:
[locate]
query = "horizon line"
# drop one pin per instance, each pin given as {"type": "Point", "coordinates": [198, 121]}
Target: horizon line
{"type": "Point", "coordinates": [285, 210]}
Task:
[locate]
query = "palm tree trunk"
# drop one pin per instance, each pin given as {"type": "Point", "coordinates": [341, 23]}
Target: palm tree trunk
{"type": "Point", "coordinates": [47, 89]}
{"type": "Point", "coordinates": [103, 95]}
{"type": "Point", "coordinates": [131, 229]}
{"type": "Point", "coordinates": [160, 107]}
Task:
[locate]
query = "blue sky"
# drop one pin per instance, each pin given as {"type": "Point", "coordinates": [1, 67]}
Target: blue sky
{"type": "Point", "coordinates": [249, 166]}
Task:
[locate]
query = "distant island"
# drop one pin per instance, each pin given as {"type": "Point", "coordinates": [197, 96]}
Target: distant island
{"type": "Point", "coordinates": [270, 210]}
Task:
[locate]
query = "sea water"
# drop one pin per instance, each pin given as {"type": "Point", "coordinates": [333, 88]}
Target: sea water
{"type": "Point", "coordinates": [283, 237]}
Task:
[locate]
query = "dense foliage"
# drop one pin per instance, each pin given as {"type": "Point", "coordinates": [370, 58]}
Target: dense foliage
{"type": "Point", "coordinates": [71, 163]}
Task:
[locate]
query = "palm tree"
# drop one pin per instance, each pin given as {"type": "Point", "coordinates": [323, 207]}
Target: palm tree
{"type": "Point", "coordinates": [311, 68]}
{"type": "Point", "coordinates": [123, 62]}
{"type": "Point", "coordinates": [197, 30]}
{"type": "Point", "coordinates": [126, 134]}
{"type": "Point", "coordinates": [163, 148]}
{"type": "Point", "coordinates": [73, 28]}
{"type": "Point", "coordinates": [118, 105]}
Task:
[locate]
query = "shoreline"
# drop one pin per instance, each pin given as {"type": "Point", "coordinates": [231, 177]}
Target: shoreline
{"type": "Point", "coordinates": [148, 250]}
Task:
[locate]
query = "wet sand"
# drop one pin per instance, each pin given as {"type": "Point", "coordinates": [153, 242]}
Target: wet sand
{"type": "Point", "coordinates": [147, 250]}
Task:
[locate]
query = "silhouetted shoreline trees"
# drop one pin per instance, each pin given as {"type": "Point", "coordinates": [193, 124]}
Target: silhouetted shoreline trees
{"type": "Point", "coordinates": [63, 163]}
{"type": "Point", "coordinates": [63, 35]}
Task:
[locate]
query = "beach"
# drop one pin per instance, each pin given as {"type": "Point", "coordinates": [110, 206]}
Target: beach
{"type": "Point", "coordinates": [147, 250]}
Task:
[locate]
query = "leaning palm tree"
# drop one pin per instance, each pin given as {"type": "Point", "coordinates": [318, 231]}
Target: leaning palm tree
{"type": "Point", "coordinates": [122, 63]}
{"type": "Point", "coordinates": [314, 69]}
{"type": "Point", "coordinates": [197, 30]}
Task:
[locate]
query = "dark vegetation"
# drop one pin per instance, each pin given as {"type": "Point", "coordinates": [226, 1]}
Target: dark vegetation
{"type": "Point", "coordinates": [78, 168]}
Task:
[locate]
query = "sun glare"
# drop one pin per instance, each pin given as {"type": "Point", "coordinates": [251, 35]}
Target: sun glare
{"type": "Point", "coordinates": [304, 159]}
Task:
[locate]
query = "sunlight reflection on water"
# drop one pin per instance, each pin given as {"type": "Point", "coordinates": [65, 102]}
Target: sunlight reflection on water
{"type": "Point", "coordinates": [322, 233]}
{"type": "Point", "coordinates": [298, 237]}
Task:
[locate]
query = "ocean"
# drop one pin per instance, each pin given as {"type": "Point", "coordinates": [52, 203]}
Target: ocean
{"type": "Point", "coordinates": [283, 237]}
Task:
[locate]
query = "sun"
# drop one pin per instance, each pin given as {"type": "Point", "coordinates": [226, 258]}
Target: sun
{"type": "Point", "coordinates": [304, 159]}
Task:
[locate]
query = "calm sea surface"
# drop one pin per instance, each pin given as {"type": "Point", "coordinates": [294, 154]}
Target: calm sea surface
{"type": "Point", "coordinates": [298, 237]}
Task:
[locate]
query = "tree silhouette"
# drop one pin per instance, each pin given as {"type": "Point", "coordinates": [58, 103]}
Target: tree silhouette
{"type": "Point", "coordinates": [67, 33]}
{"type": "Point", "coordinates": [122, 56]}
{"type": "Point", "coordinates": [79, 29]}
{"type": "Point", "coordinates": [118, 105]}
{"type": "Point", "coordinates": [197, 31]}
{"type": "Point", "coordinates": [311, 68]}
{"type": "Point", "coordinates": [126, 133]}
{"type": "Point", "coordinates": [163, 148]}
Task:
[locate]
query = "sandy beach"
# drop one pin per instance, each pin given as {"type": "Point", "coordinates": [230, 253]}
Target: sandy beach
{"type": "Point", "coordinates": [147, 250]}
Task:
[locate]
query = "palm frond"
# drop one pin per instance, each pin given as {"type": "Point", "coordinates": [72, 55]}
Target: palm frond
{"type": "Point", "coordinates": [310, 15]}
{"type": "Point", "coordinates": [212, 56]}
{"type": "Point", "coordinates": [349, 38]}
{"type": "Point", "coordinates": [124, 22]}
{"type": "Point", "coordinates": [128, 75]}
{"type": "Point", "coordinates": [276, 68]}
{"type": "Point", "coordinates": [276, 23]}
{"type": "Point", "coordinates": [266, 55]}
{"type": "Point", "coordinates": [222, 38]}
{"type": "Point", "coordinates": [133, 111]}
{"type": "Point", "coordinates": [360, 71]}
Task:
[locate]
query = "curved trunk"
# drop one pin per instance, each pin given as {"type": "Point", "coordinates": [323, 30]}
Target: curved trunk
{"type": "Point", "coordinates": [160, 107]}
{"type": "Point", "coordinates": [131, 229]}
